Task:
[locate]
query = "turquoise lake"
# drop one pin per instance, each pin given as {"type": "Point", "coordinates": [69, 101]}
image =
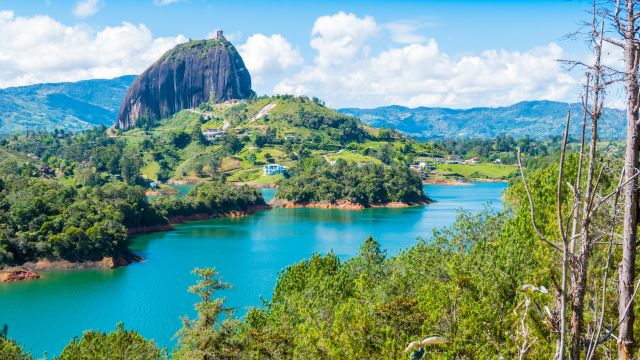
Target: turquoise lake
{"type": "Point", "coordinates": [151, 296]}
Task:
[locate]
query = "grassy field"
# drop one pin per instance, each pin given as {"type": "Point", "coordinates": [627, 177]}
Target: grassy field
{"type": "Point", "coordinates": [352, 157]}
{"type": "Point", "coordinates": [477, 171]}
{"type": "Point", "coordinates": [151, 170]}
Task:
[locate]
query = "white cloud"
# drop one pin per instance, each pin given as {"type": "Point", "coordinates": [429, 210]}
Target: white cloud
{"type": "Point", "coordinates": [341, 37]}
{"type": "Point", "coordinates": [40, 49]}
{"type": "Point", "coordinates": [404, 32]}
{"type": "Point", "coordinates": [267, 56]}
{"type": "Point", "coordinates": [86, 8]}
{"type": "Point", "coordinates": [346, 73]}
{"type": "Point", "coordinates": [165, 2]}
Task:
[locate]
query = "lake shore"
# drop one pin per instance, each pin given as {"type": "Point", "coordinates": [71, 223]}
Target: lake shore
{"type": "Point", "coordinates": [465, 182]}
{"type": "Point", "coordinates": [344, 205]}
{"type": "Point", "coordinates": [31, 270]}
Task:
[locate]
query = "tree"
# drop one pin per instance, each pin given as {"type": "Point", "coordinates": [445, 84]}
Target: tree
{"type": "Point", "coordinates": [252, 158]}
{"type": "Point", "coordinates": [197, 136]}
{"type": "Point", "coordinates": [119, 344]}
{"type": "Point", "coordinates": [214, 165]}
{"type": "Point", "coordinates": [624, 17]}
{"type": "Point", "coordinates": [130, 165]}
{"type": "Point", "coordinates": [231, 144]}
{"type": "Point", "coordinates": [205, 338]}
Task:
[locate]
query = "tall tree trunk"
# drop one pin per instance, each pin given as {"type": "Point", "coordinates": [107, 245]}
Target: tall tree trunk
{"type": "Point", "coordinates": [630, 219]}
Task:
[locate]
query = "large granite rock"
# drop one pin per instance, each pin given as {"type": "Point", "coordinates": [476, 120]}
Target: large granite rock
{"type": "Point", "coordinates": [185, 77]}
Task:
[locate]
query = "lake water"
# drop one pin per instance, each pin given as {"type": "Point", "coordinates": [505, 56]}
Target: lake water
{"type": "Point", "coordinates": [249, 252]}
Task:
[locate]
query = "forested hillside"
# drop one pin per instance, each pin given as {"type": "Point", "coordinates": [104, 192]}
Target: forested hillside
{"type": "Point", "coordinates": [536, 119]}
{"type": "Point", "coordinates": [72, 106]}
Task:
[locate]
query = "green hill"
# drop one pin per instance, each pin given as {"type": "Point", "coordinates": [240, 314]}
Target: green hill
{"type": "Point", "coordinates": [72, 106]}
{"type": "Point", "coordinates": [279, 129]}
{"type": "Point", "coordinates": [537, 119]}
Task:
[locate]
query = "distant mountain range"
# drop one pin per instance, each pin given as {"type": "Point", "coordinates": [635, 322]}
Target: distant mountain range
{"type": "Point", "coordinates": [80, 105]}
{"type": "Point", "coordinates": [536, 119]}
{"type": "Point", "coordinates": [73, 106]}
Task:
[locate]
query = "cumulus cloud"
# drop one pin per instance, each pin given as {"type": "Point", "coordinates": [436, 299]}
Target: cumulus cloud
{"type": "Point", "coordinates": [86, 8]}
{"type": "Point", "coordinates": [341, 37]}
{"type": "Point", "coordinates": [267, 56]}
{"type": "Point", "coordinates": [346, 73]}
{"type": "Point", "coordinates": [41, 49]}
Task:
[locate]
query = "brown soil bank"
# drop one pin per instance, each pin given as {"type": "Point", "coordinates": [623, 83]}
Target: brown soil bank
{"type": "Point", "coordinates": [344, 205]}
{"type": "Point", "coordinates": [29, 270]}
{"type": "Point", "coordinates": [17, 273]}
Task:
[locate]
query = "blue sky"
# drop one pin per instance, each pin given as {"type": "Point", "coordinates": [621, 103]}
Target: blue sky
{"type": "Point", "coordinates": [352, 53]}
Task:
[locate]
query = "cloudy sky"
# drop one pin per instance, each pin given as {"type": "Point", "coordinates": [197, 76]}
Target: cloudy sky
{"type": "Point", "coordinates": [360, 53]}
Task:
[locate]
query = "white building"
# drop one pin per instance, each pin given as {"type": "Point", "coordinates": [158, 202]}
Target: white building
{"type": "Point", "coordinates": [273, 169]}
{"type": "Point", "coordinates": [212, 134]}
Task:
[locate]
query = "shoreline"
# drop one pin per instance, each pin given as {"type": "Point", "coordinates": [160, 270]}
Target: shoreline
{"type": "Point", "coordinates": [466, 182]}
{"type": "Point", "coordinates": [31, 270]}
{"type": "Point", "coordinates": [345, 205]}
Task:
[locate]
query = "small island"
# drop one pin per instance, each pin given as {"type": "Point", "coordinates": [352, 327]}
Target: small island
{"type": "Point", "coordinates": [315, 182]}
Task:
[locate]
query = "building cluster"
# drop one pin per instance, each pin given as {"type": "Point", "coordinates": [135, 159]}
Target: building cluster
{"type": "Point", "coordinates": [424, 165]}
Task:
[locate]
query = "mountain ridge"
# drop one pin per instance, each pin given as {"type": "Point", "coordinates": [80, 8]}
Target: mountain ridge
{"type": "Point", "coordinates": [95, 102]}
{"type": "Point", "coordinates": [534, 118]}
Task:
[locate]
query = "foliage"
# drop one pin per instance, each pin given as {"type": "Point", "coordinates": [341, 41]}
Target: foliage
{"type": "Point", "coordinates": [315, 180]}
{"type": "Point", "coordinates": [44, 219]}
{"type": "Point", "coordinates": [213, 198]}
{"type": "Point", "coordinates": [119, 344]}
{"type": "Point", "coordinates": [204, 338]}
{"type": "Point", "coordinates": [10, 350]}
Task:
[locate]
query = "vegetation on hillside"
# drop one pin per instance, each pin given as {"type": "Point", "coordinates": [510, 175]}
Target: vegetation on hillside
{"type": "Point", "coordinates": [315, 181]}
{"type": "Point", "coordinates": [44, 218]}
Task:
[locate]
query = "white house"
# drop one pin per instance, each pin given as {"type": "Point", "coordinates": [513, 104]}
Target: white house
{"type": "Point", "coordinates": [212, 134]}
{"type": "Point", "coordinates": [273, 169]}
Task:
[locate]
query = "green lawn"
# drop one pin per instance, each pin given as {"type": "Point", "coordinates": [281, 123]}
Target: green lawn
{"type": "Point", "coordinates": [350, 156]}
{"type": "Point", "coordinates": [478, 171]}
{"type": "Point", "coordinates": [151, 171]}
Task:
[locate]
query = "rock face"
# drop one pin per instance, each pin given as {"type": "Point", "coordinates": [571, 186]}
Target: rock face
{"type": "Point", "coordinates": [17, 273]}
{"type": "Point", "coordinates": [183, 78]}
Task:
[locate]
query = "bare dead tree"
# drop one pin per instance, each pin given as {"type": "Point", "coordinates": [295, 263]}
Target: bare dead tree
{"type": "Point", "coordinates": [625, 17]}
{"type": "Point", "coordinates": [575, 235]}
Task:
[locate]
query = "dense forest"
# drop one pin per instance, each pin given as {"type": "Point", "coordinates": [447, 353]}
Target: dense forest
{"type": "Point", "coordinates": [45, 219]}
{"type": "Point", "coordinates": [315, 180]}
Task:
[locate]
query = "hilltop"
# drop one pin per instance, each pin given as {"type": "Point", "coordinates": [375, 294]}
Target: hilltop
{"type": "Point", "coordinates": [537, 119]}
{"type": "Point", "coordinates": [185, 77]}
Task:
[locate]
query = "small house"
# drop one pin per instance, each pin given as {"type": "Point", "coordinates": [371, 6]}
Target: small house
{"type": "Point", "coordinates": [453, 159]}
{"type": "Point", "coordinates": [273, 169]}
{"type": "Point", "coordinates": [212, 134]}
